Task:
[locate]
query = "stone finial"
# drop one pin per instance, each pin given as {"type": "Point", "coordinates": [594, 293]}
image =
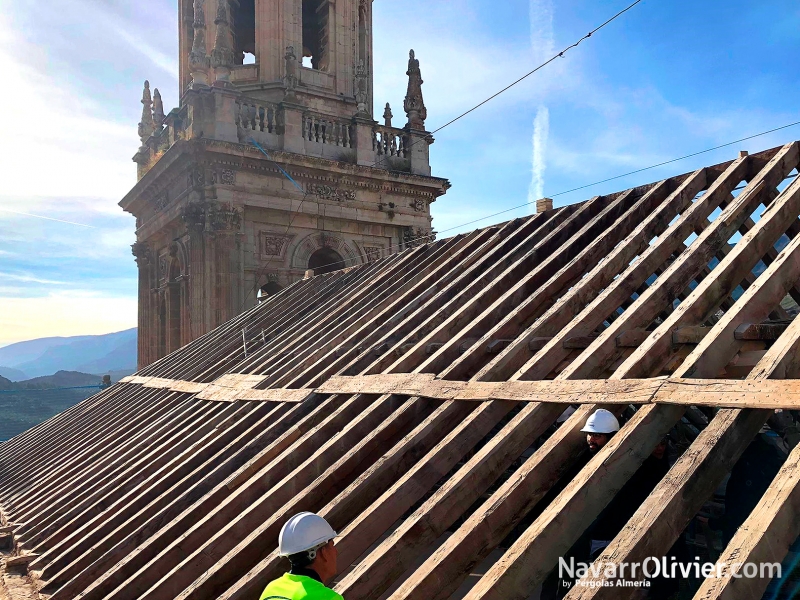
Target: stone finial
{"type": "Point", "coordinates": [198, 60]}
{"type": "Point", "coordinates": [387, 115]}
{"type": "Point", "coordinates": [222, 54]}
{"type": "Point", "coordinates": [146, 125]}
{"type": "Point", "coordinates": [414, 104]}
{"type": "Point", "coordinates": [361, 88]}
{"type": "Point", "coordinates": [290, 79]}
{"type": "Point", "coordinates": [158, 109]}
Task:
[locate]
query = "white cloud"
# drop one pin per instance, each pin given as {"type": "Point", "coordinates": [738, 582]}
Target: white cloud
{"type": "Point", "coordinates": [28, 278]}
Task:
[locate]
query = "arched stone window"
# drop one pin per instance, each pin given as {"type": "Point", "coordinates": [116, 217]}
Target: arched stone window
{"type": "Point", "coordinates": [325, 260]}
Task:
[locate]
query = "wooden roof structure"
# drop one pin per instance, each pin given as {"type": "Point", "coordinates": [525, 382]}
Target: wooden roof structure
{"type": "Point", "coordinates": [402, 398]}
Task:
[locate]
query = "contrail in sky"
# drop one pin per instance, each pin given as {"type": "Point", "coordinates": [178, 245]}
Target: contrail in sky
{"type": "Point", "coordinates": [24, 214]}
{"type": "Point", "coordinates": [542, 46]}
{"type": "Point", "coordinates": [541, 131]}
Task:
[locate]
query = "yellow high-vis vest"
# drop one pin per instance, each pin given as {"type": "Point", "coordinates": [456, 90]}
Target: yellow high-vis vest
{"type": "Point", "coordinates": [298, 587]}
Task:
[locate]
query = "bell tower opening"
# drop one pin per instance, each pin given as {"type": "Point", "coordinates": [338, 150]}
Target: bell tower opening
{"type": "Point", "coordinates": [244, 31]}
{"type": "Point", "coordinates": [325, 260]}
{"type": "Point", "coordinates": [316, 34]}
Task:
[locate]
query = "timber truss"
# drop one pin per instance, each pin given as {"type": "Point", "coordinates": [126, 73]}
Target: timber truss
{"type": "Point", "coordinates": [403, 398]}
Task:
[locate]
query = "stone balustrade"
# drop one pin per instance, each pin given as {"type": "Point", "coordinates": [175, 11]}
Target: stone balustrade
{"type": "Point", "coordinates": [389, 141]}
{"type": "Point", "coordinates": [285, 127]}
{"type": "Point", "coordinates": [328, 130]}
{"type": "Point", "coordinates": [255, 115]}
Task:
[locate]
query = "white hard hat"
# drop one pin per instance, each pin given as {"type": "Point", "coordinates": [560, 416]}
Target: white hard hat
{"type": "Point", "coordinates": [601, 421]}
{"type": "Point", "coordinates": [304, 532]}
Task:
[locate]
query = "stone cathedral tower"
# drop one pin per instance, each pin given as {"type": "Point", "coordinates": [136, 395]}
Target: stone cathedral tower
{"type": "Point", "coordinates": [272, 165]}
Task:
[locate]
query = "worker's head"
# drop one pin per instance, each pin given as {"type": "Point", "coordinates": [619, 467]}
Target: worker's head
{"type": "Point", "coordinates": [599, 428]}
{"type": "Point", "coordinates": [307, 540]}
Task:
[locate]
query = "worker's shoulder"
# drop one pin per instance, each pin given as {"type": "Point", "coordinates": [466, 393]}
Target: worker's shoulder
{"type": "Point", "coordinates": [298, 587]}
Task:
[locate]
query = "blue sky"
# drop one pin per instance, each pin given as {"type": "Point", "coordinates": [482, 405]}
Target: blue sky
{"type": "Point", "coordinates": [668, 78]}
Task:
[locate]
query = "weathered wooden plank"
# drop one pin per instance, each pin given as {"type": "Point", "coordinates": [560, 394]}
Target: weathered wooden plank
{"type": "Point", "coordinates": [760, 331]}
{"type": "Point", "coordinates": [727, 275]}
{"type": "Point", "coordinates": [691, 334]}
{"type": "Point", "coordinates": [373, 576]}
{"type": "Point", "coordinates": [528, 561]}
{"type": "Point", "coordinates": [677, 277]}
{"type": "Point", "coordinates": [648, 226]}
{"type": "Point", "coordinates": [730, 393]}
{"type": "Point", "coordinates": [632, 339]}
{"type": "Point", "coordinates": [145, 539]}
{"type": "Point", "coordinates": [764, 538]}
{"type": "Point", "coordinates": [654, 527]}
{"type": "Point", "coordinates": [619, 290]}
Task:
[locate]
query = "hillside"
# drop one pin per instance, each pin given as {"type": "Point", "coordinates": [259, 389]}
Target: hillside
{"type": "Point", "coordinates": [97, 354]}
{"type": "Point", "coordinates": [24, 404]}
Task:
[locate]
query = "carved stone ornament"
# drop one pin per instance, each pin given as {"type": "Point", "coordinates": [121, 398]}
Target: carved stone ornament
{"type": "Point", "coordinates": [224, 177]}
{"type": "Point", "coordinates": [418, 204]}
{"type": "Point", "coordinates": [146, 125]}
{"type": "Point", "coordinates": [413, 237]}
{"type": "Point", "coordinates": [223, 217]}
{"type": "Point", "coordinates": [362, 95]}
{"type": "Point", "coordinates": [373, 253]}
{"type": "Point", "coordinates": [196, 177]}
{"type": "Point", "coordinates": [291, 78]}
{"type": "Point", "coordinates": [142, 253]}
{"type": "Point", "coordinates": [414, 105]}
{"type": "Point", "coordinates": [329, 192]}
{"type": "Point", "coordinates": [199, 61]}
{"type": "Point", "coordinates": [161, 201]}
{"type": "Point", "coordinates": [274, 244]}
{"type": "Point", "coordinates": [194, 215]}
{"type": "Point", "coordinates": [163, 263]}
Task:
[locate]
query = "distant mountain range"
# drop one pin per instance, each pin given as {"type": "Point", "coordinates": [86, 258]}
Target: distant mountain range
{"type": "Point", "coordinates": [94, 354]}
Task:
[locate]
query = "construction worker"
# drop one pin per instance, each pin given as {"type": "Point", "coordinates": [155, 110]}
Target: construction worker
{"type": "Point", "coordinates": [307, 540]}
{"type": "Point", "coordinates": [599, 428]}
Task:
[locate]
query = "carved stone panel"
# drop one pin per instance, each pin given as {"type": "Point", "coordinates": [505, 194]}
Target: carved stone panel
{"type": "Point", "coordinates": [274, 244]}
{"type": "Point", "coordinates": [373, 253]}
{"type": "Point", "coordinates": [329, 192]}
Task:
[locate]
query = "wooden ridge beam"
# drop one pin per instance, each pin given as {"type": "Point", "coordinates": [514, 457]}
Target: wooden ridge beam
{"type": "Point", "coordinates": [731, 393]}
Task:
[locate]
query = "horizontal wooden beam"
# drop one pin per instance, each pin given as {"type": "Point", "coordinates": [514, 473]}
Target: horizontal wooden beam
{"type": "Point", "coordinates": [720, 393]}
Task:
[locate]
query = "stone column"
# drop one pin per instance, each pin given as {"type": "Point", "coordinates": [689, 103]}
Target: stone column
{"type": "Point", "coordinates": [222, 226]}
{"type": "Point", "coordinates": [144, 261]}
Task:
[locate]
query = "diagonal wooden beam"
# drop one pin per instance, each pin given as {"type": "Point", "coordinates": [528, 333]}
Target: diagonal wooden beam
{"type": "Point", "coordinates": [655, 526]}
{"type": "Point", "coordinates": [618, 291]}
{"type": "Point", "coordinates": [703, 300]}
{"type": "Point", "coordinates": [764, 538]}
{"type": "Point", "coordinates": [684, 269]}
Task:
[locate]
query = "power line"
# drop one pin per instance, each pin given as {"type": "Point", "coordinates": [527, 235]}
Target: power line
{"type": "Point", "coordinates": [438, 129]}
{"type": "Point", "coordinates": [292, 216]}
{"type": "Point", "coordinates": [588, 185]}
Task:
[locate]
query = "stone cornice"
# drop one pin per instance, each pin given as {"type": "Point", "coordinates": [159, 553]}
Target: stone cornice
{"type": "Point", "coordinates": [301, 167]}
